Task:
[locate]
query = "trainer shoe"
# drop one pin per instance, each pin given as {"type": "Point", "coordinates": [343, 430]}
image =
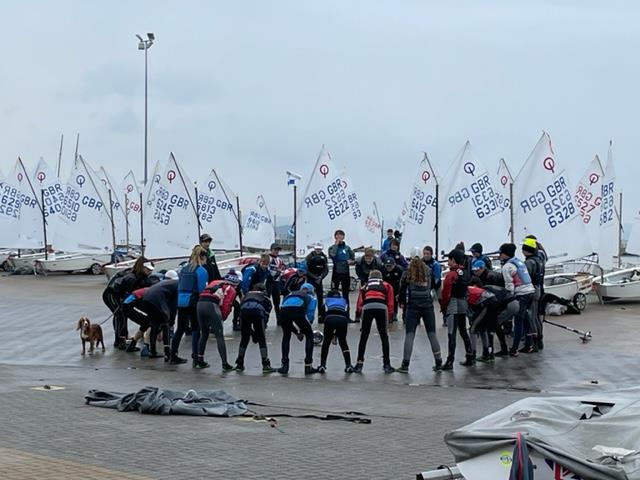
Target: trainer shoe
{"type": "Point", "coordinates": [348, 369]}
{"type": "Point", "coordinates": [227, 368]}
{"type": "Point", "coordinates": [389, 369]}
{"type": "Point", "coordinates": [357, 368]}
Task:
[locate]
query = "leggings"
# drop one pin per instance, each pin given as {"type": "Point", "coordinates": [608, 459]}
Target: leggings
{"type": "Point", "coordinates": [252, 326]}
{"type": "Point", "coordinates": [524, 302]}
{"type": "Point", "coordinates": [342, 282]}
{"type": "Point", "coordinates": [114, 303]}
{"type": "Point", "coordinates": [147, 315]}
{"type": "Point", "coordinates": [458, 321]}
{"type": "Point", "coordinates": [185, 314]}
{"type": "Point", "coordinates": [411, 322]}
{"type": "Point", "coordinates": [290, 318]}
{"type": "Point", "coordinates": [335, 325]}
{"type": "Point", "coordinates": [379, 315]}
{"type": "Point", "coordinates": [210, 319]}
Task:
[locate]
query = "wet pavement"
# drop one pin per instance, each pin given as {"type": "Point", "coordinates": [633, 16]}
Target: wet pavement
{"type": "Point", "coordinates": [410, 413]}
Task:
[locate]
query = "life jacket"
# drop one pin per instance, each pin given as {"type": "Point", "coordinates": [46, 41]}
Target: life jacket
{"type": "Point", "coordinates": [537, 276]}
{"type": "Point", "coordinates": [291, 299]}
{"type": "Point", "coordinates": [374, 292]}
{"type": "Point", "coordinates": [460, 284]}
{"type": "Point", "coordinates": [255, 301]}
{"type": "Point", "coordinates": [335, 305]}
{"type": "Point", "coordinates": [521, 276]}
{"type": "Point", "coordinates": [211, 291]}
{"type": "Point", "coordinates": [419, 295]}
{"type": "Point", "coordinates": [188, 279]}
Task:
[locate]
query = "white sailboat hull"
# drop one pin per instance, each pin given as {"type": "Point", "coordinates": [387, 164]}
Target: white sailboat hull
{"type": "Point", "coordinates": [73, 263]}
{"type": "Point", "coordinates": [570, 286]}
{"type": "Point", "coordinates": [620, 285]}
{"type": "Point", "coordinates": [24, 261]}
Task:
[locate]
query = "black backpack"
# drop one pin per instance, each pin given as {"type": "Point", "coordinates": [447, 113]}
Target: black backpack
{"type": "Point", "coordinates": [460, 284]}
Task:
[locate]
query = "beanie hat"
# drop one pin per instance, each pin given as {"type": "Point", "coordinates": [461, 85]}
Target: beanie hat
{"type": "Point", "coordinates": [509, 249]}
{"type": "Point", "coordinates": [476, 248]}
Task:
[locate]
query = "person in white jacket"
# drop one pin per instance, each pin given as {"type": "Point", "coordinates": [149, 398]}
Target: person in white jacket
{"type": "Point", "coordinates": [517, 280]}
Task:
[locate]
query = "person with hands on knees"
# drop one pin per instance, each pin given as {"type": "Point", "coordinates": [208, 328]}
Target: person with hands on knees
{"type": "Point", "coordinates": [375, 304]}
{"type": "Point", "coordinates": [336, 322]}
{"type": "Point", "coordinates": [296, 316]}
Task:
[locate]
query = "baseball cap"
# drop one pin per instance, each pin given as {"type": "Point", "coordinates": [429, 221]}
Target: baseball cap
{"type": "Point", "coordinates": [317, 246]}
{"type": "Point", "coordinates": [389, 261]}
{"type": "Point", "coordinates": [275, 246]}
{"type": "Point", "coordinates": [478, 265]}
{"type": "Point", "coordinates": [205, 237]}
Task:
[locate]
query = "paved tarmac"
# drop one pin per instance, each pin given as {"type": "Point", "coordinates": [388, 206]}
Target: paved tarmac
{"type": "Point", "coordinates": [53, 431]}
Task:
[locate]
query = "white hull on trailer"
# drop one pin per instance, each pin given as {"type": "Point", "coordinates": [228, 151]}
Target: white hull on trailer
{"type": "Point", "coordinates": [24, 261]}
{"type": "Point", "coordinates": [573, 287]}
{"type": "Point", "coordinates": [73, 262]}
{"type": "Point", "coordinates": [620, 285]}
{"type": "Point", "coordinates": [5, 254]}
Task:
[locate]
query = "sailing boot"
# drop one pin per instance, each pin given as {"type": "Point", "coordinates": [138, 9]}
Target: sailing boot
{"type": "Point", "coordinates": [284, 369]}
{"type": "Point", "coordinates": [358, 367]}
{"type": "Point", "coordinates": [266, 366]}
{"type": "Point", "coordinates": [470, 361]}
{"type": "Point", "coordinates": [309, 370]}
{"type": "Point", "coordinates": [227, 368]}
{"type": "Point", "coordinates": [438, 366]}
{"type": "Point", "coordinates": [448, 364]}
{"type": "Point", "coordinates": [388, 369]}
{"type": "Point", "coordinates": [240, 364]}
{"type": "Point", "coordinates": [348, 369]}
{"type": "Point", "coordinates": [404, 368]}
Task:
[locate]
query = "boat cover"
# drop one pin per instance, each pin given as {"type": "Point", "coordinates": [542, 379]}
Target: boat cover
{"type": "Point", "coordinates": [159, 401]}
{"type": "Point", "coordinates": [595, 436]}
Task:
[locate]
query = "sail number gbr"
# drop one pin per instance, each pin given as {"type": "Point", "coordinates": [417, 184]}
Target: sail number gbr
{"type": "Point", "coordinates": [556, 201]}
{"type": "Point", "coordinates": [335, 199]}
{"type": "Point", "coordinates": [165, 203]}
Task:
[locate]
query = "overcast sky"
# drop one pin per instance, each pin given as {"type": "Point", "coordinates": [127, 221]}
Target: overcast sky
{"type": "Point", "coordinates": [254, 88]}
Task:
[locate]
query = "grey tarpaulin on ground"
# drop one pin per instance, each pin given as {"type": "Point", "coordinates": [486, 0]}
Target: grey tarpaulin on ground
{"type": "Point", "coordinates": [159, 401]}
{"type": "Point", "coordinates": [565, 430]}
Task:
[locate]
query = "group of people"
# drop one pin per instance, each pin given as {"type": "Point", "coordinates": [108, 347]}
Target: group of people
{"type": "Point", "coordinates": [477, 302]}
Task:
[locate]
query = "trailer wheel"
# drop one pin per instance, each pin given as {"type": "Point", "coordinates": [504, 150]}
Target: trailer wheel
{"type": "Point", "coordinates": [580, 301]}
{"type": "Point", "coordinates": [95, 269]}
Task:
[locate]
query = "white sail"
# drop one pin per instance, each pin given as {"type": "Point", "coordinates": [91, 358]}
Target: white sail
{"type": "Point", "coordinates": [373, 228]}
{"type": "Point", "coordinates": [117, 205]}
{"type": "Point", "coordinates": [48, 185]}
{"type": "Point", "coordinates": [20, 213]}
{"type": "Point", "coordinates": [401, 219]}
{"type": "Point", "coordinates": [325, 207]}
{"type": "Point", "coordinates": [258, 231]}
{"type": "Point", "coordinates": [544, 206]}
{"type": "Point", "coordinates": [469, 210]}
{"type": "Point", "coordinates": [502, 187]}
{"type": "Point", "coordinates": [419, 228]}
{"type": "Point", "coordinates": [588, 198]}
{"type": "Point", "coordinates": [358, 233]}
{"type": "Point", "coordinates": [217, 213]}
{"type": "Point", "coordinates": [608, 216]}
{"type": "Point", "coordinates": [133, 209]}
{"type": "Point", "coordinates": [170, 222]}
{"type": "Point", "coordinates": [150, 189]}
{"type": "Point", "coordinates": [84, 220]}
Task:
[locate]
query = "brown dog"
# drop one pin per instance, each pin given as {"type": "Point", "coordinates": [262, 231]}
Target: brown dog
{"type": "Point", "coordinates": [90, 333]}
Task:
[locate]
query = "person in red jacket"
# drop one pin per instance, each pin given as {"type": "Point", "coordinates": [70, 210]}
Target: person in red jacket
{"type": "Point", "coordinates": [375, 303]}
{"type": "Point", "coordinates": [454, 304]}
{"type": "Point", "coordinates": [214, 305]}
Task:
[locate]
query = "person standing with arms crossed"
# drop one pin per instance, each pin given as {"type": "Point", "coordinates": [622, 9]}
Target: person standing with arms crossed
{"type": "Point", "coordinates": [343, 257]}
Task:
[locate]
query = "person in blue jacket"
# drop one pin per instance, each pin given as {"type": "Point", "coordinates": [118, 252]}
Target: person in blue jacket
{"type": "Point", "coordinates": [257, 273]}
{"type": "Point", "coordinates": [434, 265]}
{"type": "Point", "coordinates": [192, 279]}
{"type": "Point", "coordinates": [385, 243]}
{"type": "Point", "coordinates": [296, 316]}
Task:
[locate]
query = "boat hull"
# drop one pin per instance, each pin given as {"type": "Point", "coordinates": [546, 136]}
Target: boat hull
{"type": "Point", "coordinates": [74, 263]}
{"type": "Point", "coordinates": [620, 285]}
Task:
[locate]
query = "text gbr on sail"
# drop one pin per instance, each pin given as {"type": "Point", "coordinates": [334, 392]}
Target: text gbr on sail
{"type": "Point", "coordinates": [555, 199]}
